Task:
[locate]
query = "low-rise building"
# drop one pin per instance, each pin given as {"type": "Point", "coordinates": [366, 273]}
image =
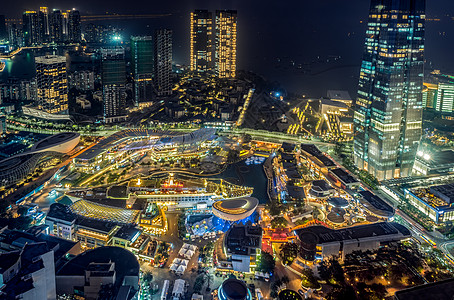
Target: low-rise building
{"type": "Point", "coordinates": [343, 179]}
{"type": "Point", "coordinates": [317, 161]}
{"type": "Point", "coordinates": [319, 242]}
{"type": "Point", "coordinates": [428, 163]}
{"type": "Point", "coordinates": [28, 261]}
{"type": "Point", "coordinates": [321, 189]}
{"type": "Point", "coordinates": [434, 202]}
{"type": "Point", "coordinates": [375, 205]}
{"type": "Point", "coordinates": [242, 243]}
{"type": "Point", "coordinates": [64, 222]}
{"type": "Point", "coordinates": [112, 269]}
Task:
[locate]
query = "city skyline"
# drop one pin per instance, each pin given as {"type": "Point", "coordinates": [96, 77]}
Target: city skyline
{"type": "Point", "coordinates": [252, 38]}
{"type": "Point", "coordinates": [227, 150]}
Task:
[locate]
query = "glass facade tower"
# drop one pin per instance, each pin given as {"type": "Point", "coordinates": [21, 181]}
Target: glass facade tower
{"type": "Point", "coordinates": [113, 75]}
{"type": "Point", "coordinates": [225, 54]}
{"type": "Point", "coordinates": [388, 110]}
{"type": "Point", "coordinates": [142, 59]}
{"type": "Point", "coordinates": [201, 40]}
{"type": "Point", "coordinates": [52, 84]}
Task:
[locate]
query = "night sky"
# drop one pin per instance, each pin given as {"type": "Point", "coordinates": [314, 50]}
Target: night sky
{"type": "Point", "coordinates": [273, 34]}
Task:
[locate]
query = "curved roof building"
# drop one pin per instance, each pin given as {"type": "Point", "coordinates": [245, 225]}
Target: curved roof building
{"type": "Point", "coordinates": [234, 289]}
{"type": "Point", "coordinates": [16, 168]}
{"type": "Point", "coordinates": [60, 142]}
{"type": "Point", "coordinates": [337, 202]}
{"type": "Point", "coordinates": [166, 137]}
{"type": "Point", "coordinates": [376, 205]}
{"type": "Point", "coordinates": [336, 215]}
{"type": "Point", "coordinates": [235, 209]}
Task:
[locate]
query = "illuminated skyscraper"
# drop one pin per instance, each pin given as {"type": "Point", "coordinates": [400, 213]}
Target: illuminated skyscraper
{"type": "Point", "coordinates": [74, 28]}
{"type": "Point", "coordinates": [388, 112]}
{"type": "Point", "coordinates": [142, 67]}
{"type": "Point", "coordinates": [113, 75]}
{"type": "Point", "coordinates": [201, 40]}
{"type": "Point", "coordinates": [56, 26]}
{"type": "Point", "coordinates": [31, 28]}
{"type": "Point", "coordinates": [163, 62]}
{"type": "Point", "coordinates": [225, 52]}
{"type": "Point", "coordinates": [52, 83]}
{"type": "Point", "coordinates": [44, 20]}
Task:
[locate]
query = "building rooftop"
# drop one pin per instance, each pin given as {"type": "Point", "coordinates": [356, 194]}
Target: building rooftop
{"type": "Point", "coordinates": [312, 150]}
{"type": "Point", "coordinates": [99, 225]}
{"type": "Point", "coordinates": [20, 239]}
{"type": "Point", "coordinates": [343, 176]}
{"type": "Point", "coordinates": [235, 209]}
{"type": "Point", "coordinates": [127, 233]}
{"type": "Point", "coordinates": [126, 263]}
{"type": "Point", "coordinates": [55, 140]}
{"type": "Point", "coordinates": [338, 95]}
{"type": "Point", "coordinates": [243, 239]}
{"type": "Point", "coordinates": [98, 211]}
{"type": "Point", "coordinates": [337, 202]}
{"type": "Point", "coordinates": [320, 234]}
{"type": "Point", "coordinates": [8, 259]}
{"type": "Point", "coordinates": [61, 212]}
{"type": "Point", "coordinates": [321, 185]}
{"type": "Point", "coordinates": [119, 137]}
{"type": "Point", "coordinates": [288, 147]}
{"type": "Point", "coordinates": [296, 192]}
{"type": "Point", "coordinates": [375, 204]}
{"type": "Point", "coordinates": [441, 290]}
{"type": "Point", "coordinates": [445, 192]}
{"type": "Point", "coordinates": [234, 289]}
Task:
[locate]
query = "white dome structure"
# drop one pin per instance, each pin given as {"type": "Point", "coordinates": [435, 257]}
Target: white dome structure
{"type": "Point", "coordinates": [235, 209]}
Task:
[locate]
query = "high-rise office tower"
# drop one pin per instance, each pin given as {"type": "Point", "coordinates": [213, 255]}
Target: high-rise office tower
{"type": "Point", "coordinates": [163, 62]}
{"type": "Point", "coordinates": [225, 51]}
{"type": "Point", "coordinates": [3, 31]}
{"type": "Point", "coordinates": [52, 83]}
{"type": "Point", "coordinates": [31, 28]}
{"type": "Point", "coordinates": [65, 15]}
{"type": "Point", "coordinates": [388, 111]}
{"type": "Point", "coordinates": [74, 28]}
{"type": "Point", "coordinates": [44, 22]}
{"type": "Point", "coordinates": [142, 67]}
{"type": "Point", "coordinates": [56, 26]}
{"type": "Point", "coordinates": [113, 76]}
{"type": "Point", "coordinates": [15, 36]}
{"type": "Point", "coordinates": [201, 41]}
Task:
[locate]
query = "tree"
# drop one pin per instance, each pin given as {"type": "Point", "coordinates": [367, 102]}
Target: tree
{"type": "Point", "coordinates": [289, 251]}
{"type": "Point", "coordinates": [344, 292]}
{"type": "Point", "coordinates": [147, 277]}
{"type": "Point", "coordinates": [3, 207]}
{"type": "Point", "coordinates": [308, 279]}
{"type": "Point", "coordinates": [331, 270]}
{"type": "Point", "coordinates": [266, 263]}
{"type": "Point", "coordinates": [233, 155]}
{"type": "Point", "coordinates": [275, 209]}
{"type": "Point", "coordinates": [279, 222]}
